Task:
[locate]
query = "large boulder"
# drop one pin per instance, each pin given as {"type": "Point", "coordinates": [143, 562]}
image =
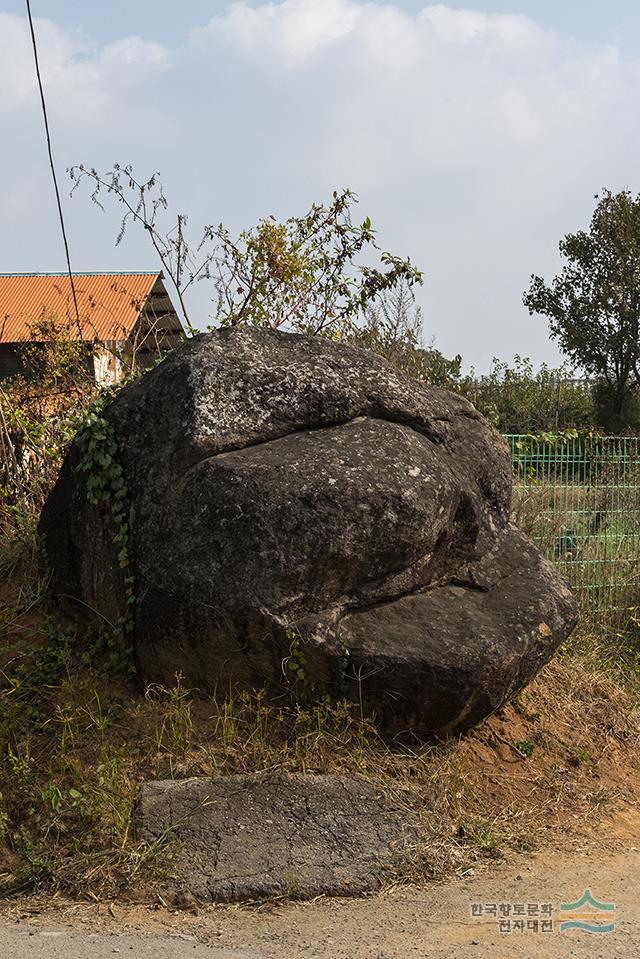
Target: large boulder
{"type": "Point", "coordinates": [299, 510]}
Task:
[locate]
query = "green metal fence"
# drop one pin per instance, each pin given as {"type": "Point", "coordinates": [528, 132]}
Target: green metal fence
{"type": "Point", "coordinates": [579, 500]}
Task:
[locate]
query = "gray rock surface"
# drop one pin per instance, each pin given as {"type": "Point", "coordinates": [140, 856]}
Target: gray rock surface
{"type": "Point", "coordinates": [242, 837]}
{"type": "Point", "coordinates": [292, 495]}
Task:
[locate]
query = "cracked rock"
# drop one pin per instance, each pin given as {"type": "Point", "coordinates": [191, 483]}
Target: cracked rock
{"type": "Point", "coordinates": [242, 837]}
{"type": "Point", "coordinates": [289, 494]}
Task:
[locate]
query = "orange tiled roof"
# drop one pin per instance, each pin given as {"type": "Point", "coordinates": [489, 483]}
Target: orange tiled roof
{"type": "Point", "coordinates": [108, 303]}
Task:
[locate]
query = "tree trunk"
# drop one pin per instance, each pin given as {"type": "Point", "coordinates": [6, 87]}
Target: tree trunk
{"type": "Point", "coordinates": [618, 404]}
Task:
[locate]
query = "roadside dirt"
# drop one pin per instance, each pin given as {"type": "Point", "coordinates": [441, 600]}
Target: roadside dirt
{"type": "Point", "coordinates": [433, 920]}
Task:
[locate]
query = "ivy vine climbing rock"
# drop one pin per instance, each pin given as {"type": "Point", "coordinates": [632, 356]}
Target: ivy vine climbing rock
{"type": "Point", "coordinates": [106, 489]}
{"type": "Point", "coordinates": [298, 512]}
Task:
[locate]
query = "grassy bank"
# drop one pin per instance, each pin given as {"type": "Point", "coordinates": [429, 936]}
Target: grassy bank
{"type": "Point", "coordinates": [78, 737]}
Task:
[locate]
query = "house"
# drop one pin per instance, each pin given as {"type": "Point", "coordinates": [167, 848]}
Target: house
{"type": "Point", "coordinates": [125, 319]}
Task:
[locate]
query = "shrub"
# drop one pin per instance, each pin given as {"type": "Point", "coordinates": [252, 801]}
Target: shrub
{"type": "Point", "coordinates": [517, 399]}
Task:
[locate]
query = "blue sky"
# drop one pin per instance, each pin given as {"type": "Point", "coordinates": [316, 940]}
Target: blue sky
{"type": "Point", "coordinates": [475, 135]}
{"type": "Point", "coordinates": [608, 21]}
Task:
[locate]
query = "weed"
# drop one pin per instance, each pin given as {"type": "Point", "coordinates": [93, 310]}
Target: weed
{"type": "Point", "coordinates": [482, 834]}
{"type": "Point", "coordinates": [176, 732]}
{"type": "Point", "coordinates": [296, 661]}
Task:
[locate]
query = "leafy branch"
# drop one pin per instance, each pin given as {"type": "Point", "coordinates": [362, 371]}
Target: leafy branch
{"type": "Point", "coordinates": [303, 274]}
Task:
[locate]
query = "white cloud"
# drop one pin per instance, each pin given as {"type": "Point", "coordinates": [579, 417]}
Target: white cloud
{"type": "Point", "coordinates": [294, 29]}
{"type": "Point", "coordinates": [17, 77]}
{"type": "Point", "coordinates": [475, 140]}
{"type": "Point", "coordinates": [470, 26]}
{"type": "Point", "coordinates": [133, 53]}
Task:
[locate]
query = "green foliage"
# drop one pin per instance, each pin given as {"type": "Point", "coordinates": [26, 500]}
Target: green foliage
{"type": "Point", "coordinates": [343, 667]}
{"type": "Point", "coordinates": [525, 748]}
{"type": "Point", "coordinates": [106, 488]}
{"type": "Point", "coordinates": [581, 757]}
{"type": "Point", "coordinates": [99, 460]}
{"type": "Point", "coordinates": [303, 274]}
{"type": "Point", "coordinates": [31, 677]}
{"type": "Point", "coordinates": [518, 399]}
{"type": "Point", "coordinates": [593, 305]}
{"type": "Point", "coordinates": [439, 370]}
{"type": "Point", "coordinates": [40, 411]}
{"type": "Point", "coordinates": [52, 356]}
{"type": "Point", "coordinates": [296, 661]}
{"type": "Point", "coordinates": [63, 787]}
{"type": "Point", "coordinates": [311, 693]}
{"type": "Point", "coordinates": [4, 820]}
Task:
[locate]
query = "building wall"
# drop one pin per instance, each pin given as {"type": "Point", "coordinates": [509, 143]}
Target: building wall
{"type": "Point", "coordinates": [10, 363]}
{"type": "Point", "coordinates": [156, 330]}
{"type": "Point", "coordinates": [107, 366]}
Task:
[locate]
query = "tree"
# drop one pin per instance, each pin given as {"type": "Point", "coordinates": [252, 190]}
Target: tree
{"type": "Point", "coordinates": [593, 305]}
{"type": "Point", "coordinates": [393, 328]}
{"type": "Point", "coordinates": [303, 274]}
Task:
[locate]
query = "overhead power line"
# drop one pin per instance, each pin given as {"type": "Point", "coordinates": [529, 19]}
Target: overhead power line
{"type": "Point", "coordinates": [51, 163]}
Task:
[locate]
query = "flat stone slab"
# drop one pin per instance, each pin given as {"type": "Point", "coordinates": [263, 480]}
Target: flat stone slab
{"type": "Point", "coordinates": [247, 837]}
